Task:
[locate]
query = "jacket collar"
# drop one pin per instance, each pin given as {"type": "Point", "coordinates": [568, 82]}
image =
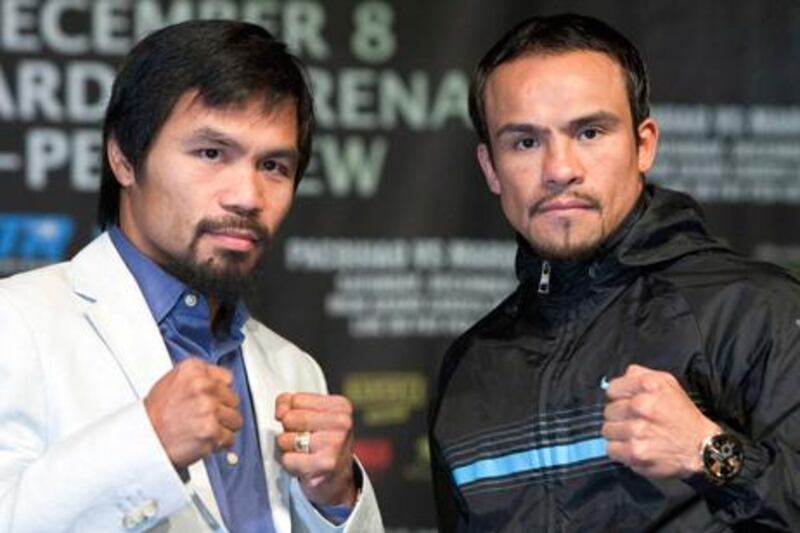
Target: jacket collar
{"type": "Point", "coordinates": [663, 226]}
{"type": "Point", "coordinates": [117, 310]}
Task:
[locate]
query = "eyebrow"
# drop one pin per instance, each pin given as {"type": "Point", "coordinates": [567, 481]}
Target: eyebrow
{"type": "Point", "coordinates": [604, 118]}
{"type": "Point", "coordinates": [207, 134]}
{"type": "Point", "coordinates": [600, 117]}
{"type": "Point", "coordinates": [519, 127]}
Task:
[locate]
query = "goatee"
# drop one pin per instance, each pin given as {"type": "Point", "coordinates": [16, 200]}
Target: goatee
{"type": "Point", "coordinates": [225, 276]}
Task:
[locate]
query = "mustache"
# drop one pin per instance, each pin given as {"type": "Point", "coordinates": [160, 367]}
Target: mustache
{"type": "Point", "coordinates": [210, 225]}
{"type": "Point", "coordinates": [590, 201]}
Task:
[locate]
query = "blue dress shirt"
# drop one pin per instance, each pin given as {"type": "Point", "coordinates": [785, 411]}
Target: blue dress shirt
{"type": "Point", "coordinates": [237, 474]}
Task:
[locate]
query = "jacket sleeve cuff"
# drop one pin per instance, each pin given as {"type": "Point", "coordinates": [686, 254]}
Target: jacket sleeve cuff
{"type": "Point", "coordinates": [365, 515]}
{"type": "Point", "coordinates": [119, 472]}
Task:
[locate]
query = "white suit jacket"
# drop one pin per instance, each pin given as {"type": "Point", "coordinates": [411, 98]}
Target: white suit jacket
{"type": "Point", "coordinates": [79, 350]}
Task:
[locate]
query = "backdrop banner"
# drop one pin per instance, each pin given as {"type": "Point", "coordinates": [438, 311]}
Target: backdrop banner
{"type": "Point", "coordinates": [395, 245]}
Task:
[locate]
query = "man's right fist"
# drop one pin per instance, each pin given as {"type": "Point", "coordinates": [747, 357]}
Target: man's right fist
{"type": "Point", "coordinates": [194, 411]}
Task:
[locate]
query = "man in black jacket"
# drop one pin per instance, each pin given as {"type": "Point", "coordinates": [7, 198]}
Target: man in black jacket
{"type": "Point", "coordinates": [642, 376]}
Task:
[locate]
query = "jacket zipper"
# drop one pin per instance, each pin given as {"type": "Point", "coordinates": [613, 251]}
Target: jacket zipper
{"type": "Point", "coordinates": [544, 279]}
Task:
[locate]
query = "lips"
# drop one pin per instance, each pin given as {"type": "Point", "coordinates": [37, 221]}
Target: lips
{"type": "Point", "coordinates": [234, 233]}
{"type": "Point", "coordinates": [564, 204]}
{"type": "Point", "coordinates": [235, 238]}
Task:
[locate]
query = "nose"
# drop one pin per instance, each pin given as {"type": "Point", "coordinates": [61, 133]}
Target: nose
{"type": "Point", "coordinates": [562, 168]}
{"type": "Point", "coordinates": [244, 193]}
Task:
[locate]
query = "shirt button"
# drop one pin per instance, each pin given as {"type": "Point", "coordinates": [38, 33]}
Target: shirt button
{"type": "Point", "coordinates": [132, 519]}
{"type": "Point", "coordinates": [190, 300]}
{"type": "Point", "coordinates": [150, 509]}
{"type": "Point", "coordinates": [232, 458]}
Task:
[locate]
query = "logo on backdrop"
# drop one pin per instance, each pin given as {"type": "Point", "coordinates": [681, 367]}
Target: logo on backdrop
{"type": "Point", "coordinates": [386, 398]}
{"type": "Point", "coordinates": [33, 240]}
{"type": "Point", "coordinates": [376, 454]}
{"type": "Point", "coordinates": [59, 63]}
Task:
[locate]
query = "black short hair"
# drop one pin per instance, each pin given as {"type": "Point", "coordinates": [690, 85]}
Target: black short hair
{"type": "Point", "coordinates": [559, 34]}
{"type": "Point", "coordinates": [227, 62]}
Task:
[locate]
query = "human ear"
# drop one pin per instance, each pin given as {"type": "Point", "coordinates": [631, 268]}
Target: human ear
{"type": "Point", "coordinates": [647, 144]}
{"type": "Point", "coordinates": [120, 166]}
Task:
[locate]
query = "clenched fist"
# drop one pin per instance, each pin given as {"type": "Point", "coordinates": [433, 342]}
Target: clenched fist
{"type": "Point", "coordinates": [653, 426]}
{"type": "Point", "coordinates": [326, 471]}
{"type": "Point", "coordinates": [194, 411]}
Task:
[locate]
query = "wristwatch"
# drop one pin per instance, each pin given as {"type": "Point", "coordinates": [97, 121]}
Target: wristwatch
{"type": "Point", "coordinates": [723, 457]}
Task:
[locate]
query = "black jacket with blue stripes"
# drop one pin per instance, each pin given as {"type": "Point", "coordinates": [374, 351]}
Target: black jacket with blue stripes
{"type": "Point", "coordinates": [516, 417]}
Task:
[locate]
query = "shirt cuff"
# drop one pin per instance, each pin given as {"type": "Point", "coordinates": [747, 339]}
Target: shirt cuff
{"type": "Point", "coordinates": [338, 514]}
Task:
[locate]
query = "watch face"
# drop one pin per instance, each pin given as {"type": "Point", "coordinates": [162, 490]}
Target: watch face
{"type": "Point", "coordinates": [723, 457]}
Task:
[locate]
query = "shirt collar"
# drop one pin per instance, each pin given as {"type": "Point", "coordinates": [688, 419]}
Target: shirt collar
{"type": "Point", "coordinates": [161, 290]}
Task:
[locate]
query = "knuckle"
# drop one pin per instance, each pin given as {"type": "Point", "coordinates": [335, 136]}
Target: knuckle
{"type": "Point", "coordinates": [283, 397]}
{"type": "Point", "coordinates": [208, 429]}
{"type": "Point", "coordinates": [285, 442]}
{"type": "Point", "coordinates": [345, 422]}
{"type": "Point", "coordinates": [225, 375]}
{"type": "Point", "coordinates": [205, 406]}
{"type": "Point", "coordinates": [641, 405]}
{"type": "Point", "coordinates": [651, 381]}
{"type": "Point", "coordinates": [639, 428]}
{"type": "Point", "coordinates": [348, 407]}
{"type": "Point", "coordinates": [614, 451]}
{"type": "Point", "coordinates": [344, 403]}
{"type": "Point", "coordinates": [198, 386]}
{"type": "Point", "coordinates": [290, 419]}
{"type": "Point", "coordinates": [320, 440]}
{"type": "Point", "coordinates": [338, 440]}
{"type": "Point", "coordinates": [638, 450]}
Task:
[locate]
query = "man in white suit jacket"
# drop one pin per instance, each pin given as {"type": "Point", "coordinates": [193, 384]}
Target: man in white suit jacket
{"type": "Point", "coordinates": [106, 422]}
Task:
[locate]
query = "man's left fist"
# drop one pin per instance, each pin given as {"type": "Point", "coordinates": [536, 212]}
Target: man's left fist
{"type": "Point", "coordinates": [652, 425]}
{"type": "Point", "coordinates": [317, 445]}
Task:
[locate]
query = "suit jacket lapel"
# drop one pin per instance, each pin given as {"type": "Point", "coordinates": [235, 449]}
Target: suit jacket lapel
{"type": "Point", "coordinates": [116, 308]}
{"type": "Point", "coordinates": [264, 390]}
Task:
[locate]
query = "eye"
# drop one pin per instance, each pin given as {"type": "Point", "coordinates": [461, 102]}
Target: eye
{"type": "Point", "coordinates": [210, 154]}
{"type": "Point", "coordinates": [272, 166]}
{"type": "Point", "coordinates": [526, 143]}
{"type": "Point", "coordinates": [589, 134]}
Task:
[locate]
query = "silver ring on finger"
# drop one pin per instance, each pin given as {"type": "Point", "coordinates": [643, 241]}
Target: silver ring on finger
{"type": "Point", "coordinates": [302, 442]}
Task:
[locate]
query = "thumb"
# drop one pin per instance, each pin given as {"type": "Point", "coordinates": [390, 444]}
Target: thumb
{"type": "Point", "coordinates": [629, 384]}
{"type": "Point", "coordinates": [636, 370]}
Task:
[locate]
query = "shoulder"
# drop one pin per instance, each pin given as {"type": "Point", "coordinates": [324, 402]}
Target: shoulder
{"type": "Point", "coordinates": [708, 279]}
{"type": "Point", "coordinates": [36, 291]}
{"type": "Point", "coordinates": [741, 307]}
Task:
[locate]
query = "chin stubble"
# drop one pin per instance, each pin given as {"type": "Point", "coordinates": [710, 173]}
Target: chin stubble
{"type": "Point", "coordinates": [224, 275]}
{"type": "Point", "coordinates": [565, 250]}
